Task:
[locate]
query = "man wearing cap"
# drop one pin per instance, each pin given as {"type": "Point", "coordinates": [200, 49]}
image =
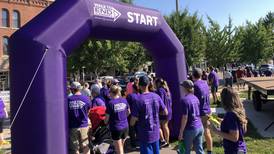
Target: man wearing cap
{"type": "Point", "coordinates": [201, 91]}
{"type": "Point", "coordinates": [146, 112]}
{"type": "Point", "coordinates": [191, 131]}
{"type": "Point", "coordinates": [78, 106]}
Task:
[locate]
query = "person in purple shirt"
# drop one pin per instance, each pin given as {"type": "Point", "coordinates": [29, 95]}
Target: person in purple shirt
{"type": "Point", "coordinates": [213, 80]}
{"type": "Point", "coordinates": [3, 115]}
{"type": "Point", "coordinates": [117, 113]}
{"type": "Point", "coordinates": [132, 99]}
{"type": "Point", "coordinates": [104, 91]}
{"type": "Point", "coordinates": [164, 93]}
{"type": "Point", "coordinates": [146, 112]}
{"type": "Point", "coordinates": [97, 99]}
{"type": "Point", "coordinates": [191, 131]}
{"type": "Point", "coordinates": [201, 91]}
{"type": "Point", "coordinates": [234, 124]}
{"type": "Point", "coordinates": [78, 107]}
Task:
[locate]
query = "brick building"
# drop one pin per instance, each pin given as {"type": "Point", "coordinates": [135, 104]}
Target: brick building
{"type": "Point", "coordinates": [14, 14]}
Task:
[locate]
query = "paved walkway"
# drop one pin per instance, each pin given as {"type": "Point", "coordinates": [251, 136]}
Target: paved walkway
{"type": "Point", "coordinates": [262, 119]}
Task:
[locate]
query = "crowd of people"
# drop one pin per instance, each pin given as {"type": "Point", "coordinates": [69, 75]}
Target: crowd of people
{"type": "Point", "coordinates": [143, 113]}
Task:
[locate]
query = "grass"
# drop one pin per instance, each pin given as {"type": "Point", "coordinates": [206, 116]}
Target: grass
{"type": "Point", "coordinates": [255, 143]}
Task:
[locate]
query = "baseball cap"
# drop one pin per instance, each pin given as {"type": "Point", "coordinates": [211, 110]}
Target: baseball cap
{"type": "Point", "coordinates": [188, 84]}
{"type": "Point", "coordinates": [75, 85]}
{"type": "Point", "coordinates": [114, 81]}
{"type": "Point", "coordinates": [144, 81]}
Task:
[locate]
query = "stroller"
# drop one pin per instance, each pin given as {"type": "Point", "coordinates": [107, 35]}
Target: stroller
{"type": "Point", "coordinates": [99, 135]}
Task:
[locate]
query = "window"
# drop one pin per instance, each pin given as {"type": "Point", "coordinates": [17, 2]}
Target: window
{"type": "Point", "coordinates": [16, 19]}
{"type": "Point", "coordinates": [5, 18]}
{"type": "Point", "coordinates": [5, 45]}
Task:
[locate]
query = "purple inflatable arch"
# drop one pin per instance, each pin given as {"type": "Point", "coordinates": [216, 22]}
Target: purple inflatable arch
{"type": "Point", "coordinates": [38, 64]}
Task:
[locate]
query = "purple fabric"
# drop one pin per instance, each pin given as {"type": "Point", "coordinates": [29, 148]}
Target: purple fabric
{"type": "Point", "coordinates": [167, 101]}
{"type": "Point", "coordinates": [147, 110]}
{"type": "Point", "coordinates": [78, 107]}
{"type": "Point", "coordinates": [117, 109]}
{"type": "Point", "coordinates": [132, 99]}
{"type": "Point", "coordinates": [97, 101]}
{"type": "Point", "coordinates": [213, 76]}
{"type": "Point", "coordinates": [2, 107]}
{"type": "Point", "coordinates": [201, 91]}
{"type": "Point", "coordinates": [191, 109]}
{"type": "Point", "coordinates": [53, 35]}
{"type": "Point", "coordinates": [104, 92]}
{"type": "Point", "coordinates": [232, 123]}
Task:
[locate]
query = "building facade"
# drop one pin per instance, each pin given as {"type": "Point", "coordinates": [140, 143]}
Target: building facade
{"type": "Point", "coordinates": [14, 14]}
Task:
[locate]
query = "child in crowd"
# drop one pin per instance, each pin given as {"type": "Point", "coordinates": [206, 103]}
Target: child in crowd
{"type": "Point", "coordinates": [234, 124]}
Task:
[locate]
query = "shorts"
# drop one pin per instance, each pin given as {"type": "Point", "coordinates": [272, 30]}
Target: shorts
{"type": "Point", "coordinates": [165, 117]}
{"type": "Point", "coordinates": [150, 148]}
{"type": "Point", "coordinates": [119, 134]}
{"type": "Point", "coordinates": [205, 121]}
{"type": "Point", "coordinates": [214, 89]}
{"type": "Point", "coordinates": [78, 139]}
{"type": "Point", "coordinates": [1, 125]}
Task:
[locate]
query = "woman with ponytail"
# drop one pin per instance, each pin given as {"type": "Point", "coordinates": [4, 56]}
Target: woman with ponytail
{"type": "Point", "coordinates": [234, 124]}
{"type": "Point", "coordinates": [164, 93]}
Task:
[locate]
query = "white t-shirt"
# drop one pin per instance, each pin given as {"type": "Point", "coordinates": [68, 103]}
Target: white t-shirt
{"type": "Point", "coordinates": [227, 75]}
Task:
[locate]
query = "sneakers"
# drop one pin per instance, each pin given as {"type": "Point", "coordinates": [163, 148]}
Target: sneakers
{"type": "Point", "coordinates": [164, 144]}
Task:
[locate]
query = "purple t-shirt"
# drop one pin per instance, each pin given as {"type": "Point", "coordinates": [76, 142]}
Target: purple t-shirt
{"type": "Point", "coordinates": [104, 92]}
{"type": "Point", "coordinates": [117, 109]}
{"type": "Point", "coordinates": [97, 101]}
{"type": "Point", "coordinates": [167, 101]}
{"type": "Point", "coordinates": [213, 76]}
{"type": "Point", "coordinates": [2, 111]}
{"type": "Point", "coordinates": [147, 110]}
{"type": "Point", "coordinates": [191, 108]}
{"type": "Point", "coordinates": [201, 91]}
{"type": "Point", "coordinates": [132, 99]}
{"type": "Point", "coordinates": [78, 107]}
{"type": "Point", "coordinates": [232, 123]}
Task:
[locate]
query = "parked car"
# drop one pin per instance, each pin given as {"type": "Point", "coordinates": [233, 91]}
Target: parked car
{"type": "Point", "coordinates": [106, 78]}
{"type": "Point", "coordinates": [266, 67]}
{"type": "Point", "coordinates": [139, 74]}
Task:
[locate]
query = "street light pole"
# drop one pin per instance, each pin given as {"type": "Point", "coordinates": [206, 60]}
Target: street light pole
{"type": "Point", "coordinates": [177, 6]}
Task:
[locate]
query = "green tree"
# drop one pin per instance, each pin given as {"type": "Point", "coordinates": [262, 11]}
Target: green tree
{"type": "Point", "coordinates": [189, 30]}
{"type": "Point", "coordinates": [222, 43]}
{"type": "Point", "coordinates": [256, 44]}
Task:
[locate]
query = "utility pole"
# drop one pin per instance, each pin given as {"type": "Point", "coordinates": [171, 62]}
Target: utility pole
{"type": "Point", "coordinates": [177, 6]}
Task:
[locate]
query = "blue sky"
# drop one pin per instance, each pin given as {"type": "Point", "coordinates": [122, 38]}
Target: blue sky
{"type": "Point", "coordinates": [219, 10]}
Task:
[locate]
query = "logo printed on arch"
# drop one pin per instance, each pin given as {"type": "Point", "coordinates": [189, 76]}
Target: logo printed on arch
{"type": "Point", "coordinates": [106, 12]}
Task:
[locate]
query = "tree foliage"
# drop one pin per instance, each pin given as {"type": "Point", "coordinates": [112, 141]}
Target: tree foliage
{"type": "Point", "coordinates": [249, 43]}
{"type": "Point", "coordinates": [189, 30]}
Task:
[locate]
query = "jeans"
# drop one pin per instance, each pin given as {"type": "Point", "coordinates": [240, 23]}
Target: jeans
{"type": "Point", "coordinates": [195, 138]}
{"type": "Point", "coordinates": [150, 148]}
